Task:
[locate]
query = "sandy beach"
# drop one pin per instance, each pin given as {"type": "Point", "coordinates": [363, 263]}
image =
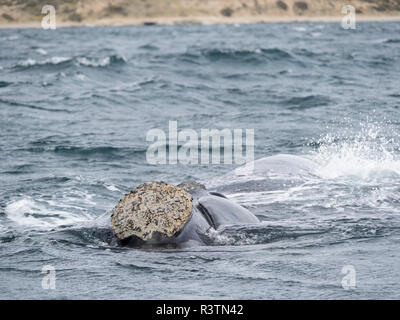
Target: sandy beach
{"type": "Point", "coordinates": [28, 14]}
{"type": "Point", "coordinates": [200, 20]}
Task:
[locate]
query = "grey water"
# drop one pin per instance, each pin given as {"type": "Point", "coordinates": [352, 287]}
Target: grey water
{"type": "Point", "coordinates": [75, 106]}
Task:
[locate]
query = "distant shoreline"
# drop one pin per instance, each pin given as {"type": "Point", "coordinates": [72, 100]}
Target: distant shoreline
{"type": "Point", "coordinates": [200, 21]}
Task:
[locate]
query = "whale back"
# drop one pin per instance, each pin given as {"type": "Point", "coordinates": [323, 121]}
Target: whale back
{"type": "Point", "coordinates": [224, 212]}
{"type": "Point", "coordinates": [216, 208]}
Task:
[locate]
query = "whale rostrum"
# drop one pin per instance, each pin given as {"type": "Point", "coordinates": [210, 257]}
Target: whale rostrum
{"type": "Point", "coordinates": [161, 213]}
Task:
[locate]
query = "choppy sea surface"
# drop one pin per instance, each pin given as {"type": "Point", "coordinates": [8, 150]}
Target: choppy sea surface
{"type": "Point", "coordinates": [75, 106]}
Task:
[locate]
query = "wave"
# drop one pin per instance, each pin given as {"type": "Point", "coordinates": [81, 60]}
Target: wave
{"type": "Point", "coordinates": [41, 51]}
{"type": "Point", "coordinates": [307, 102]}
{"type": "Point", "coordinates": [102, 151]}
{"type": "Point", "coordinates": [149, 47]}
{"type": "Point", "coordinates": [31, 106]}
{"type": "Point", "coordinates": [257, 234]}
{"type": "Point", "coordinates": [69, 61]}
{"type": "Point", "coordinates": [348, 162]}
{"type": "Point", "coordinates": [246, 55]}
{"type": "Point", "coordinates": [52, 61]}
{"type": "Point", "coordinates": [31, 213]}
{"type": "Point", "coordinates": [237, 56]}
{"type": "Point", "coordinates": [370, 154]}
{"type": "Point", "coordinates": [100, 62]}
{"type": "Point", "coordinates": [392, 41]}
{"type": "Point", "coordinates": [4, 84]}
{"type": "Point", "coordinates": [328, 232]}
{"type": "Point", "coordinates": [346, 175]}
{"type": "Point", "coordinates": [10, 38]}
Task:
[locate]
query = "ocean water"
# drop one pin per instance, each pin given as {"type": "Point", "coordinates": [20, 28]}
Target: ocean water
{"type": "Point", "coordinates": [75, 106]}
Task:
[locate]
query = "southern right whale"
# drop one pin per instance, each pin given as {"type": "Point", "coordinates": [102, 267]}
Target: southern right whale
{"type": "Point", "coordinates": [157, 213]}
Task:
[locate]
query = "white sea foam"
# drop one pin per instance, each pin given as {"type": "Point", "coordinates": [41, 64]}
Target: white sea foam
{"type": "Point", "coordinates": [94, 62]}
{"type": "Point", "coordinates": [41, 51]}
{"type": "Point", "coordinates": [300, 29]}
{"type": "Point", "coordinates": [79, 61]}
{"type": "Point", "coordinates": [10, 38]}
{"type": "Point", "coordinates": [28, 62]}
{"type": "Point", "coordinates": [368, 155]}
{"type": "Point", "coordinates": [97, 62]}
{"type": "Point", "coordinates": [53, 60]}
{"type": "Point", "coordinates": [81, 76]}
{"type": "Point", "coordinates": [344, 171]}
{"type": "Point", "coordinates": [112, 188]}
{"type": "Point", "coordinates": [41, 214]}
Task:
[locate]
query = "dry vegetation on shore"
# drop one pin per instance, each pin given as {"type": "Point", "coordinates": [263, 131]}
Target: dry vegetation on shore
{"type": "Point", "coordinates": [120, 12]}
